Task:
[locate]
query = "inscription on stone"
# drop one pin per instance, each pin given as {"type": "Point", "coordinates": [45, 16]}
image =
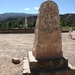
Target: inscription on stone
{"type": "Point", "coordinates": [47, 44]}
{"type": "Point", "coordinates": [49, 20]}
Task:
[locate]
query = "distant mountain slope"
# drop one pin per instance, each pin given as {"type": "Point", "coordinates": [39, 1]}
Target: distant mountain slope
{"type": "Point", "coordinates": [14, 15]}
{"type": "Point", "coordinates": [14, 20]}
{"type": "Point", "coordinates": [68, 17]}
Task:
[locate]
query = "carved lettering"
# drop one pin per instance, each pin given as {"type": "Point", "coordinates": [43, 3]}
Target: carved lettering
{"type": "Point", "coordinates": [49, 21]}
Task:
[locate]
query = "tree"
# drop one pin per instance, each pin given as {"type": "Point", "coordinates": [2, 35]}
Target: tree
{"type": "Point", "coordinates": [63, 23]}
{"type": "Point", "coordinates": [70, 23]}
{"type": "Point", "coordinates": [9, 25]}
{"type": "Point", "coordinates": [0, 25]}
{"type": "Point", "coordinates": [34, 23]}
{"type": "Point", "coordinates": [4, 25]}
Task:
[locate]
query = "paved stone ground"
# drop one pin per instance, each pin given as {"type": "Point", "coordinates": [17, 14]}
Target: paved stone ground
{"type": "Point", "coordinates": [14, 45]}
{"type": "Point", "coordinates": [17, 45]}
{"type": "Point", "coordinates": [68, 47]}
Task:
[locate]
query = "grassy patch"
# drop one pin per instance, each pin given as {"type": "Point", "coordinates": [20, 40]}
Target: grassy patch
{"type": "Point", "coordinates": [65, 28]}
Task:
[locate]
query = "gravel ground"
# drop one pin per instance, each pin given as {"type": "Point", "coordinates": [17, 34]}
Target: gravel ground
{"type": "Point", "coordinates": [68, 47]}
{"type": "Point", "coordinates": [14, 45]}
{"type": "Point", "coordinates": [17, 45]}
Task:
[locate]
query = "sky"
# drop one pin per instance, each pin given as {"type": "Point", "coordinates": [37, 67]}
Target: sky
{"type": "Point", "coordinates": [32, 6]}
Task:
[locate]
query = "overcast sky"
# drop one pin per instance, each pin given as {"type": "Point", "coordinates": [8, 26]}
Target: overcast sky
{"type": "Point", "coordinates": [31, 6]}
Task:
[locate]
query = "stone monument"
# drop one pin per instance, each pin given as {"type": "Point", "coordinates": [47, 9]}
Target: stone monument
{"type": "Point", "coordinates": [26, 26]}
{"type": "Point", "coordinates": [48, 44]}
{"type": "Point", "coordinates": [48, 33]}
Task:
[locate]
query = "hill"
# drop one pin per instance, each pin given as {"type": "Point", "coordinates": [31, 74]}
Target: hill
{"type": "Point", "coordinates": [69, 16]}
{"type": "Point", "coordinates": [14, 20]}
{"type": "Point", "coordinates": [14, 15]}
{"type": "Point", "coordinates": [7, 16]}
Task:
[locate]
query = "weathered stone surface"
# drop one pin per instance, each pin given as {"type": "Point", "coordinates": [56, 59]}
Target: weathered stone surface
{"type": "Point", "coordinates": [51, 67]}
{"type": "Point", "coordinates": [47, 44]}
{"type": "Point", "coordinates": [59, 72]}
{"type": "Point", "coordinates": [25, 65]}
{"type": "Point", "coordinates": [16, 60]}
{"type": "Point", "coordinates": [50, 64]}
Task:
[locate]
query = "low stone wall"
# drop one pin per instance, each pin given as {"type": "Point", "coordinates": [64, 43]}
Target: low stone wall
{"type": "Point", "coordinates": [20, 31]}
{"type": "Point", "coordinates": [64, 31]}
{"type": "Point", "coordinates": [16, 30]}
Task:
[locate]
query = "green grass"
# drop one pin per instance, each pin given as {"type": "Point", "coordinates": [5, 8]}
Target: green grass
{"type": "Point", "coordinates": [73, 28]}
{"type": "Point", "coordinates": [65, 28]}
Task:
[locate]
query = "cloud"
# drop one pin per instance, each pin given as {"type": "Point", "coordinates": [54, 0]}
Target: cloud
{"type": "Point", "coordinates": [27, 9]}
{"type": "Point", "coordinates": [36, 8]}
{"type": "Point", "coordinates": [36, 12]}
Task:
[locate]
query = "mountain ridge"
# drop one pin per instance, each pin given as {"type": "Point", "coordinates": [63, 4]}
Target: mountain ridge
{"type": "Point", "coordinates": [15, 15]}
{"type": "Point", "coordinates": [13, 20]}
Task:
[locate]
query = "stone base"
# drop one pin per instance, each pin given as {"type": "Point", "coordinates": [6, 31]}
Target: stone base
{"type": "Point", "coordinates": [59, 72]}
{"type": "Point", "coordinates": [49, 67]}
{"type": "Point", "coordinates": [49, 64]}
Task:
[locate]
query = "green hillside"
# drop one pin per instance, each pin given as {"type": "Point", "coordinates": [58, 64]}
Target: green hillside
{"type": "Point", "coordinates": [14, 21]}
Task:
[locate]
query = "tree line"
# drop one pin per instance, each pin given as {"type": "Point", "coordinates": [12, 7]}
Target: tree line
{"type": "Point", "coordinates": [18, 23]}
{"type": "Point", "coordinates": [67, 23]}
